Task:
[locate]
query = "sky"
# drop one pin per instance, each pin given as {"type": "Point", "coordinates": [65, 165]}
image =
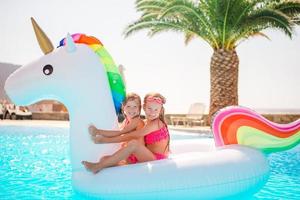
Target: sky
{"type": "Point", "coordinates": [269, 70]}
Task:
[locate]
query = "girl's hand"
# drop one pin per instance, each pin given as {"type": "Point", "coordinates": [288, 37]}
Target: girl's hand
{"type": "Point", "coordinates": [92, 130]}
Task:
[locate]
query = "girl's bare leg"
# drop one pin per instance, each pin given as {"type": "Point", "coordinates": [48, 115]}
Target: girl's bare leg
{"type": "Point", "coordinates": [122, 162]}
{"type": "Point", "coordinates": [133, 147]}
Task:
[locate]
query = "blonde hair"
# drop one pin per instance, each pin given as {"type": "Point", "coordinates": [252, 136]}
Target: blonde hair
{"type": "Point", "coordinates": [132, 97]}
{"type": "Point", "coordinates": [163, 99]}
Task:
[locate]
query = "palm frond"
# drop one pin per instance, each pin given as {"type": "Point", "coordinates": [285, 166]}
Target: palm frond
{"type": "Point", "coordinates": [189, 37]}
{"type": "Point", "coordinates": [271, 19]}
{"type": "Point", "coordinates": [221, 23]}
{"type": "Point", "coordinates": [249, 35]}
{"type": "Point", "coordinates": [189, 11]}
{"type": "Point", "coordinates": [289, 8]}
{"type": "Point", "coordinates": [150, 6]}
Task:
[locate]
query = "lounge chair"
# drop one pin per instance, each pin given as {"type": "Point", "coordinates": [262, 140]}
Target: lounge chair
{"type": "Point", "coordinates": [193, 117]}
{"type": "Point", "coordinates": [176, 120]}
{"type": "Point", "coordinates": [195, 114]}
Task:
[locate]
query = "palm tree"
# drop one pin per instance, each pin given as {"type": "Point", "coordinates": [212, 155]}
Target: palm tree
{"type": "Point", "coordinates": [223, 24]}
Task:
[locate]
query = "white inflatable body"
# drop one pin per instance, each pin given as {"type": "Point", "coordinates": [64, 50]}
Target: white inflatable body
{"type": "Point", "coordinates": [195, 169]}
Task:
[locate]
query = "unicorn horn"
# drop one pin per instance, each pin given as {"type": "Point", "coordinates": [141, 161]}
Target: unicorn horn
{"type": "Point", "coordinates": [42, 38]}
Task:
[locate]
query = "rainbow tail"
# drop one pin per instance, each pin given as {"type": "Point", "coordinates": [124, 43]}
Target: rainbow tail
{"type": "Point", "coordinates": [239, 125]}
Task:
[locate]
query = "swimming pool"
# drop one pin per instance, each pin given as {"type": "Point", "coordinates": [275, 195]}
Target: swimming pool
{"type": "Point", "coordinates": [34, 164]}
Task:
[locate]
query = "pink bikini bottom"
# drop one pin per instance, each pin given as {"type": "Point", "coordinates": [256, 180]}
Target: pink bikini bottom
{"type": "Point", "coordinates": [133, 159]}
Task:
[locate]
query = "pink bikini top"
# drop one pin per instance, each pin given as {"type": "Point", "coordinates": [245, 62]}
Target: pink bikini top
{"type": "Point", "coordinates": [157, 135]}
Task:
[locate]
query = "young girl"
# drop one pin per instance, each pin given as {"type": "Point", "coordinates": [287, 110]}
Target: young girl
{"type": "Point", "coordinates": [155, 134]}
{"type": "Point", "coordinates": [131, 109]}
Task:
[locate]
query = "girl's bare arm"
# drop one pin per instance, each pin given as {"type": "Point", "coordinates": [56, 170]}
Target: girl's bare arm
{"type": "Point", "coordinates": [111, 133]}
{"type": "Point", "coordinates": [125, 137]}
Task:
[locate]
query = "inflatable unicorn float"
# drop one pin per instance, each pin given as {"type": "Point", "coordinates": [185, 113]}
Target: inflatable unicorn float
{"type": "Point", "coordinates": [82, 75]}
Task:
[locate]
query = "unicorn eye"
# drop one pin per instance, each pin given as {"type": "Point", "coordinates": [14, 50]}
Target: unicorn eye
{"type": "Point", "coordinates": [47, 70]}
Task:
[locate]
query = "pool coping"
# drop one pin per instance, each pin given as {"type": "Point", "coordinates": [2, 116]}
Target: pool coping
{"type": "Point", "coordinates": [50, 123]}
{"type": "Point", "coordinates": [193, 129]}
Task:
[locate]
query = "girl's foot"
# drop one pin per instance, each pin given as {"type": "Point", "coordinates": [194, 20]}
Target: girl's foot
{"type": "Point", "coordinates": [92, 130]}
{"type": "Point", "coordinates": [93, 167]}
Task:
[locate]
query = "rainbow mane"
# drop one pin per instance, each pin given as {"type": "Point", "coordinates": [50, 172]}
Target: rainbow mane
{"type": "Point", "coordinates": [238, 125]}
{"type": "Point", "coordinates": [114, 77]}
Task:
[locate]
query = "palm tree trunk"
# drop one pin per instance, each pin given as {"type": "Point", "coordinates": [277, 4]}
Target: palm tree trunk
{"type": "Point", "coordinates": [223, 80]}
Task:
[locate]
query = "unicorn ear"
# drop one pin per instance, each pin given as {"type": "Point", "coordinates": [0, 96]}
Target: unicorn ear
{"type": "Point", "coordinates": [71, 47]}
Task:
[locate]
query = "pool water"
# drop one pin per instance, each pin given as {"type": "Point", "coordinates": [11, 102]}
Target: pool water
{"type": "Point", "coordinates": [34, 164]}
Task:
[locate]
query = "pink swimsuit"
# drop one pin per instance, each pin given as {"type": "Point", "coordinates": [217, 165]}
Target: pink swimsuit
{"type": "Point", "coordinates": [152, 138]}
